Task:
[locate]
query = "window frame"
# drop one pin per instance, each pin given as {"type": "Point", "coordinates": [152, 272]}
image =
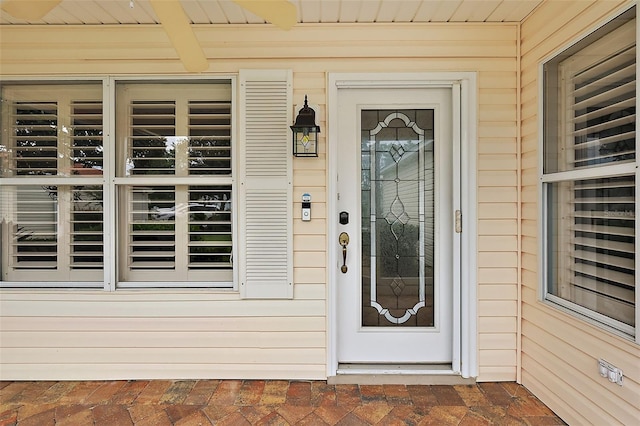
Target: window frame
{"type": "Point", "coordinates": [110, 182]}
{"type": "Point", "coordinates": [68, 181]}
{"type": "Point", "coordinates": [547, 179]}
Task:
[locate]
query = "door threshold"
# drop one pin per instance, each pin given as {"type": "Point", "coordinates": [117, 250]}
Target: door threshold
{"type": "Point", "coordinates": [401, 374]}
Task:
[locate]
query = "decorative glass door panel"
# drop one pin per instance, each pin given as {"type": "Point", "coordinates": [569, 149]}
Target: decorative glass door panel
{"type": "Point", "coordinates": [397, 179]}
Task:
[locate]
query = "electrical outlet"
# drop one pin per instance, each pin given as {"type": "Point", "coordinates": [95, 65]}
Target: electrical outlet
{"type": "Point", "coordinates": [610, 371]}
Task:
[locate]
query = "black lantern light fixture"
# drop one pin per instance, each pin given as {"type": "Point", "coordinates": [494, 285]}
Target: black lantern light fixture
{"type": "Point", "coordinates": [305, 132]}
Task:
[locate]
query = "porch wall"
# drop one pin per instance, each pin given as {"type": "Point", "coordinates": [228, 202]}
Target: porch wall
{"type": "Point", "coordinates": [132, 334]}
{"type": "Point", "coordinates": [559, 352]}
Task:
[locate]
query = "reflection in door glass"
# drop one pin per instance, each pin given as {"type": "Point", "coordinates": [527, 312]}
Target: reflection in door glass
{"type": "Point", "coordinates": [397, 217]}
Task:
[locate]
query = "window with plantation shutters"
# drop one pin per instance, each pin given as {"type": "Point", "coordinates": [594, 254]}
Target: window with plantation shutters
{"type": "Point", "coordinates": [175, 184]}
{"type": "Point", "coordinates": [590, 172]}
{"type": "Point", "coordinates": [51, 159]}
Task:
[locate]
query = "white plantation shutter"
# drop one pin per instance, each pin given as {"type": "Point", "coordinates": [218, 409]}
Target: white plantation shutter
{"type": "Point", "coordinates": [35, 144]}
{"type": "Point", "coordinates": [53, 232]}
{"type": "Point", "coordinates": [86, 228]}
{"type": "Point", "coordinates": [177, 189]}
{"type": "Point", "coordinates": [34, 240]}
{"type": "Point", "coordinates": [601, 89]}
{"type": "Point", "coordinates": [152, 230]}
{"type": "Point", "coordinates": [591, 203]}
{"type": "Point", "coordinates": [266, 184]}
{"type": "Point", "coordinates": [600, 95]}
{"type": "Point", "coordinates": [152, 136]}
{"type": "Point", "coordinates": [600, 238]}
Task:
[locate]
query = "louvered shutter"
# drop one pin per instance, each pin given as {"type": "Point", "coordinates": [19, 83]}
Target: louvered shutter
{"type": "Point", "coordinates": [266, 217]}
{"type": "Point", "coordinates": [600, 96]}
{"type": "Point", "coordinates": [598, 214]}
{"type": "Point", "coordinates": [180, 221]}
{"type": "Point", "coordinates": [35, 143]}
{"type": "Point", "coordinates": [54, 233]}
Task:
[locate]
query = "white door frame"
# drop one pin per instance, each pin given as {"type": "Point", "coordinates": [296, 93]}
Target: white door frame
{"type": "Point", "coordinates": [464, 310]}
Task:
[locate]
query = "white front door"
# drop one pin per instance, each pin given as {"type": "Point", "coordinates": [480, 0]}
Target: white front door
{"type": "Point", "coordinates": [396, 184]}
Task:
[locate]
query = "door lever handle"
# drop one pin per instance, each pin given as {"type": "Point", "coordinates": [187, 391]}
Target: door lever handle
{"type": "Point", "coordinates": [343, 239]}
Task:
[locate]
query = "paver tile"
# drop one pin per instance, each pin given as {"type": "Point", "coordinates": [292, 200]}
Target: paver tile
{"type": "Point", "coordinates": [41, 418]}
{"type": "Point", "coordinates": [332, 414]}
{"type": "Point", "coordinates": [397, 394]}
{"type": "Point", "coordinates": [65, 412]}
{"type": "Point", "coordinates": [31, 392]}
{"type": "Point", "coordinates": [299, 393]}
{"type": "Point", "coordinates": [372, 393]}
{"type": "Point", "coordinates": [55, 392]}
{"type": "Point", "coordinates": [152, 393]}
{"type": "Point", "coordinates": [275, 392]}
{"type": "Point", "coordinates": [447, 396]}
{"type": "Point", "coordinates": [80, 392]}
{"type": "Point", "coordinates": [495, 393]}
{"type": "Point", "coordinates": [110, 415]}
{"type": "Point", "coordinates": [322, 394]}
{"type": "Point", "coordinates": [104, 393]}
{"type": "Point", "coordinates": [177, 392]}
{"type": "Point", "coordinates": [294, 413]}
{"type": "Point", "coordinates": [180, 411]}
{"type": "Point", "coordinates": [255, 413]}
{"type": "Point", "coordinates": [233, 419]}
{"type": "Point", "coordinates": [147, 413]}
{"type": "Point", "coordinates": [373, 412]}
{"type": "Point", "coordinates": [422, 396]}
{"type": "Point", "coordinates": [129, 392]}
{"type": "Point", "coordinates": [352, 420]}
{"type": "Point", "coordinates": [348, 395]}
{"type": "Point", "coordinates": [410, 413]}
{"type": "Point", "coordinates": [8, 417]}
{"type": "Point", "coordinates": [226, 392]}
{"type": "Point", "coordinates": [197, 418]}
{"type": "Point", "coordinates": [250, 393]}
{"type": "Point", "coordinates": [444, 415]}
{"type": "Point", "coordinates": [312, 420]}
{"type": "Point", "coordinates": [12, 389]}
{"type": "Point", "coordinates": [471, 395]}
{"type": "Point", "coordinates": [202, 392]}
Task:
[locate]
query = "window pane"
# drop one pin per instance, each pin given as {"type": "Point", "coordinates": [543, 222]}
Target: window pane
{"type": "Point", "coordinates": [209, 138]}
{"type": "Point", "coordinates": [52, 130]}
{"type": "Point", "coordinates": [151, 241]}
{"type": "Point", "coordinates": [177, 129]}
{"type": "Point", "coordinates": [152, 138]}
{"type": "Point", "coordinates": [86, 228]}
{"type": "Point", "coordinates": [210, 227]}
{"type": "Point", "coordinates": [592, 245]}
{"type": "Point", "coordinates": [52, 233]}
{"type": "Point", "coordinates": [590, 101]}
{"type": "Point", "coordinates": [34, 145]}
{"type": "Point", "coordinates": [177, 233]}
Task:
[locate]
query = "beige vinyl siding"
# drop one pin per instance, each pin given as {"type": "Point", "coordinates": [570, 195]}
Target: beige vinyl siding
{"type": "Point", "coordinates": [560, 352]}
{"type": "Point", "coordinates": [219, 329]}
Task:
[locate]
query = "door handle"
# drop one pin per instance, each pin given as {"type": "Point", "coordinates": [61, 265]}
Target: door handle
{"type": "Point", "coordinates": [343, 239]}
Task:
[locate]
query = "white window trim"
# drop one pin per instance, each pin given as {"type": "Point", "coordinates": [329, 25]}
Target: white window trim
{"type": "Point", "coordinates": [562, 305]}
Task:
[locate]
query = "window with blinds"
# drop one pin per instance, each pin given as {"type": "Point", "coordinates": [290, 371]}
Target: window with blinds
{"type": "Point", "coordinates": [52, 232]}
{"type": "Point", "coordinates": [589, 178]}
{"type": "Point", "coordinates": [175, 185]}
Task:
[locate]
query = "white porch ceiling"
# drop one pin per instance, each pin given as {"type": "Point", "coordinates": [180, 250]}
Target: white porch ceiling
{"type": "Point", "coordinates": [96, 12]}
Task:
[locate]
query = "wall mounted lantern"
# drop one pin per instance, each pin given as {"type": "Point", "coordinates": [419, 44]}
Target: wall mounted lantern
{"type": "Point", "coordinates": [305, 133]}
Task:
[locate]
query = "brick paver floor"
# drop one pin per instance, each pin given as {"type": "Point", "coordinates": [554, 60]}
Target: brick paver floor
{"type": "Point", "coordinates": [266, 402]}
